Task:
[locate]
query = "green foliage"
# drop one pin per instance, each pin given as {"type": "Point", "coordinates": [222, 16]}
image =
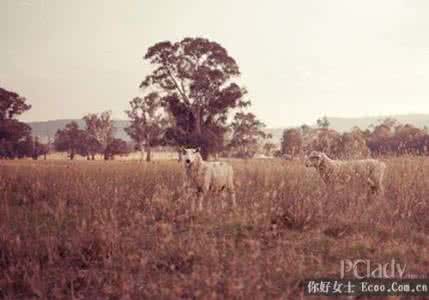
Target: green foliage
{"type": "Point", "coordinates": [99, 128]}
{"type": "Point", "coordinates": [72, 139]}
{"type": "Point", "coordinates": [323, 122]}
{"type": "Point", "coordinates": [292, 142]}
{"type": "Point", "coordinates": [116, 147]}
{"type": "Point", "coordinates": [11, 105]}
{"type": "Point", "coordinates": [195, 80]}
{"type": "Point", "coordinates": [148, 121]}
{"type": "Point", "coordinates": [247, 134]}
{"type": "Point", "coordinates": [13, 133]}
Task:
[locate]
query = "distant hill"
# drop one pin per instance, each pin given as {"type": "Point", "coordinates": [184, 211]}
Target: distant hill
{"type": "Point", "coordinates": [49, 128]}
{"type": "Point", "coordinates": [345, 124]}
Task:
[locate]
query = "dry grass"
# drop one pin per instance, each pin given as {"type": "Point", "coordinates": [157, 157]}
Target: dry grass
{"type": "Point", "coordinates": [156, 155]}
{"type": "Point", "coordinates": [123, 230]}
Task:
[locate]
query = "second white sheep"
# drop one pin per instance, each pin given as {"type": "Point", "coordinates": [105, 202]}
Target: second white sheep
{"type": "Point", "coordinates": [336, 172]}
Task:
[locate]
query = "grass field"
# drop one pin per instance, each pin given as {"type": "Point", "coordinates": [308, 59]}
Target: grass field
{"type": "Point", "coordinates": [124, 230]}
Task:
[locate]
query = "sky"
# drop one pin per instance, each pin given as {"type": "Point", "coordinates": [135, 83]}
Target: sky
{"type": "Point", "coordinates": [299, 60]}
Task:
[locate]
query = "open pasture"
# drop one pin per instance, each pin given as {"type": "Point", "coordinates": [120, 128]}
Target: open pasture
{"type": "Point", "coordinates": [124, 230]}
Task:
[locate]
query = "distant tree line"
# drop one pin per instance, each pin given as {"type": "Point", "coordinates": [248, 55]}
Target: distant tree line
{"type": "Point", "coordinates": [388, 137]}
{"type": "Point", "coordinates": [95, 138]}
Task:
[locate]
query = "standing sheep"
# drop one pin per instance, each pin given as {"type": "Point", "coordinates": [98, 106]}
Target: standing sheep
{"type": "Point", "coordinates": [333, 172]}
{"type": "Point", "coordinates": [207, 176]}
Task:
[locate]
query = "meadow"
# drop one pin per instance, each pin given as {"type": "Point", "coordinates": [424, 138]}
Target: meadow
{"type": "Point", "coordinates": [124, 230]}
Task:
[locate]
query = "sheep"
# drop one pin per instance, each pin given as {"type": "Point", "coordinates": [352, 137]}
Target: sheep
{"type": "Point", "coordinates": [334, 172]}
{"type": "Point", "coordinates": [207, 176]}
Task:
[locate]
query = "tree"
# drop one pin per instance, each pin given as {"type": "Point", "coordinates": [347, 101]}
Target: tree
{"type": "Point", "coordinates": [247, 131]}
{"type": "Point", "coordinates": [91, 146]}
{"type": "Point", "coordinates": [148, 122]}
{"type": "Point", "coordinates": [24, 148]}
{"type": "Point", "coordinates": [353, 145]}
{"type": "Point", "coordinates": [269, 148]}
{"type": "Point", "coordinates": [291, 143]}
{"type": "Point", "coordinates": [11, 105]}
{"type": "Point", "coordinates": [99, 129]}
{"type": "Point", "coordinates": [116, 147]}
{"type": "Point", "coordinates": [12, 131]}
{"type": "Point", "coordinates": [195, 80]}
{"type": "Point", "coordinates": [71, 139]}
{"type": "Point", "coordinates": [325, 140]}
{"type": "Point", "coordinates": [35, 148]}
{"type": "Point", "coordinates": [380, 139]}
{"type": "Point", "coordinates": [407, 139]}
{"type": "Point", "coordinates": [305, 129]}
{"type": "Point", "coordinates": [323, 122]}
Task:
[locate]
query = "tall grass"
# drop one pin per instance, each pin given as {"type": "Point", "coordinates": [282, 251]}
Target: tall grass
{"type": "Point", "coordinates": [123, 230]}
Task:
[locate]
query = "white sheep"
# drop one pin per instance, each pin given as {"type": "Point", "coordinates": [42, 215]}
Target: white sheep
{"type": "Point", "coordinates": [334, 172]}
{"type": "Point", "coordinates": [207, 176]}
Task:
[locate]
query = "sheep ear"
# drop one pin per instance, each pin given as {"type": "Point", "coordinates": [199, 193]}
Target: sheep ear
{"type": "Point", "coordinates": [197, 150]}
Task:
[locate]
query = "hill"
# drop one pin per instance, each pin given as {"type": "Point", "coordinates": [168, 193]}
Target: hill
{"type": "Point", "coordinates": [47, 129]}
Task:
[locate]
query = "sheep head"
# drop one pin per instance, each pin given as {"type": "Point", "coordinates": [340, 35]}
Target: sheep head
{"type": "Point", "coordinates": [191, 155]}
{"type": "Point", "coordinates": [315, 159]}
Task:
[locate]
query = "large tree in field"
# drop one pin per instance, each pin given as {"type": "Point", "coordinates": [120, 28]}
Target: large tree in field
{"type": "Point", "coordinates": [291, 142]}
{"type": "Point", "coordinates": [148, 121]}
{"type": "Point", "coordinates": [12, 131]}
{"type": "Point", "coordinates": [195, 79]}
{"type": "Point", "coordinates": [116, 147]}
{"type": "Point", "coordinates": [323, 122]}
{"type": "Point", "coordinates": [71, 139]}
{"type": "Point", "coordinates": [247, 133]}
{"type": "Point", "coordinates": [99, 129]}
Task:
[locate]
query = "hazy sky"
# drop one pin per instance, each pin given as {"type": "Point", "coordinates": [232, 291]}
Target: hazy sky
{"type": "Point", "coordinates": [299, 59]}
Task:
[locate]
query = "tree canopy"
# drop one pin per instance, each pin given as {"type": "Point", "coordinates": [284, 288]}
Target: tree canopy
{"type": "Point", "coordinates": [148, 122]}
{"type": "Point", "coordinates": [195, 80]}
{"type": "Point", "coordinates": [247, 132]}
{"type": "Point", "coordinates": [13, 133]}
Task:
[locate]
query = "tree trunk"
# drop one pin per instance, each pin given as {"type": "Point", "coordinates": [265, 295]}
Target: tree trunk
{"type": "Point", "coordinates": [197, 116]}
{"type": "Point", "coordinates": [198, 130]}
{"type": "Point", "coordinates": [204, 153]}
{"type": "Point", "coordinates": [148, 153]}
{"type": "Point", "coordinates": [141, 153]}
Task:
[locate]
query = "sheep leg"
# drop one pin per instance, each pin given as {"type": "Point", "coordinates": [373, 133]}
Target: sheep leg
{"type": "Point", "coordinates": [231, 190]}
{"type": "Point", "coordinates": [189, 192]}
{"type": "Point", "coordinates": [371, 183]}
{"type": "Point", "coordinates": [232, 196]}
{"type": "Point", "coordinates": [375, 187]}
{"type": "Point", "coordinates": [222, 199]}
{"type": "Point", "coordinates": [204, 190]}
{"type": "Point", "coordinates": [200, 200]}
{"type": "Point", "coordinates": [194, 202]}
{"type": "Point", "coordinates": [381, 190]}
